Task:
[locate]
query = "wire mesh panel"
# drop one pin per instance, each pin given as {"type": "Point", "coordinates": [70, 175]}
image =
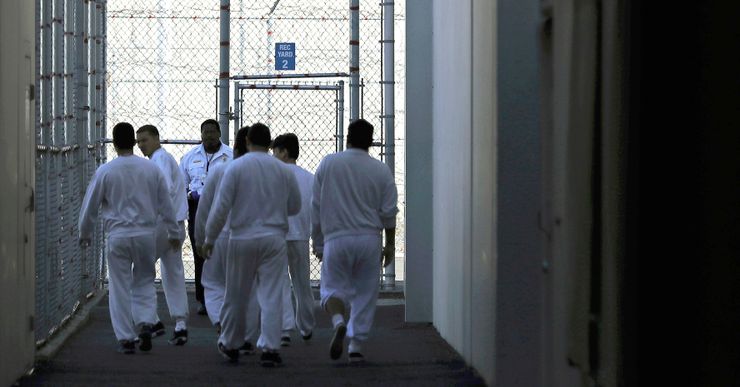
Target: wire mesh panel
{"type": "Point", "coordinates": [163, 56]}
{"type": "Point", "coordinates": [69, 80]}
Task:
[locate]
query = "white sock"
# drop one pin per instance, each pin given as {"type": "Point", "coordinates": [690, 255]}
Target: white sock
{"type": "Point", "coordinates": [180, 325]}
{"type": "Point", "coordinates": [336, 320]}
{"type": "Point", "coordinates": [354, 346]}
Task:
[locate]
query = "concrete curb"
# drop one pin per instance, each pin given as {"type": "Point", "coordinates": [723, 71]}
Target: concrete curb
{"type": "Point", "coordinates": [77, 322]}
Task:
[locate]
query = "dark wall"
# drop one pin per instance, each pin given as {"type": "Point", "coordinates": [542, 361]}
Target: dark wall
{"type": "Point", "coordinates": [682, 272]}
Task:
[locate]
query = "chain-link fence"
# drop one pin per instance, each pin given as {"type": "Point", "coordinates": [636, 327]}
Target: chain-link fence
{"type": "Point", "coordinates": [163, 67]}
{"type": "Point", "coordinates": [70, 54]}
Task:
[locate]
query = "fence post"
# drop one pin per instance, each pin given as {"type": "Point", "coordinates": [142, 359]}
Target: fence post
{"type": "Point", "coordinates": [354, 60]}
{"type": "Point", "coordinates": [223, 75]}
{"type": "Point", "coordinates": [388, 116]}
{"type": "Point", "coordinates": [340, 117]}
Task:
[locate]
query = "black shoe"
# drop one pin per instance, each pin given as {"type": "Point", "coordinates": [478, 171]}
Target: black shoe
{"type": "Point", "coordinates": [308, 336]}
{"type": "Point", "coordinates": [126, 347]}
{"type": "Point", "coordinates": [356, 357]}
{"type": "Point", "coordinates": [337, 342]}
{"type": "Point", "coordinates": [158, 329]}
{"type": "Point", "coordinates": [270, 359]}
{"type": "Point", "coordinates": [231, 355]}
{"type": "Point", "coordinates": [179, 338]}
{"type": "Point", "coordinates": [246, 349]}
{"type": "Point", "coordinates": [145, 344]}
{"type": "Point", "coordinates": [202, 310]}
{"type": "Point", "coordinates": [285, 341]}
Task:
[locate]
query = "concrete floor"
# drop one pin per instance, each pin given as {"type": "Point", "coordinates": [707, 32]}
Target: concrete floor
{"type": "Point", "coordinates": [399, 354]}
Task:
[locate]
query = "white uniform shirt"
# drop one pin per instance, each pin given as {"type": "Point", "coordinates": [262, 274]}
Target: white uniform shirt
{"type": "Point", "coordinates": [175, 182]}
{"type": "Point", "coordinates": [353, 194]}
{"type": "Point", "coordinates": [196, 164]}
{"type": "Point", "coordinates": [206, 203]}
{"type": "Point", "coordinates": [300, 225]}
{"type": "Point", "coordinates": [261, 192]}
{"type": "Point", "coordinates": [131, 192]}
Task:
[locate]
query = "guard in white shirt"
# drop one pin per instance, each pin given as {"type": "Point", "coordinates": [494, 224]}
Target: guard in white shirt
{"type": "Point", "coordinates": [132, 193]}
{"type": "Point", "coordinates": [214, 268]}
{"type": "Point", "coordinates": [261, 193]}
{"type": "Point", "coordinates": [285, 147]}
{"type": "Point", "coordinates": [354, 199]}
{"type": "Point", "coordinates": [195, 166]}
{"type": "Point", "coordinates": [173, 273]}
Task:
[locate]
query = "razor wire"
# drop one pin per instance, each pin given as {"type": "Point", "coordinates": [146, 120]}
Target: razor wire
{"type": "Point", "coordinates": [162, 62]}
{"type": "Point", "coordinates": [70, 108]}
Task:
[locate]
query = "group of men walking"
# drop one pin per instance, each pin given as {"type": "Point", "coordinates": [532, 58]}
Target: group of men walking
{"type": "Point", "coordinates": [250, 217]}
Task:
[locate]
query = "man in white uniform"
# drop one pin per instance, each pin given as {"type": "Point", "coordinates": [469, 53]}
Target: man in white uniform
{"type": "Point", "coordinates": [129, 212]}
{"type": "Point", "coordinates": [173, 273]}
{"type": "Point", "coordinates": [260, 192]}
{"type": "Point", "coordinates": [286, 149]}
{"type": "Point", "coordinates": [214, 268]}
{"type": "Point", "coordinates": [354, 199]}
{"type": "Point", "coordinates": [195, 166]}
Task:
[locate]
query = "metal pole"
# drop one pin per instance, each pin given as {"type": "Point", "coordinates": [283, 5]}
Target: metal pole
{"type": "Point", "coordinates": [340, 117]}
{"type": "Point", "coordinates": [388, 116]}
{"type": "Point", "coordinates": [223, 75]}
{"type": "Point", "coordinates": [237, 110]}
{"type": "Point", "coordinates": [354, 59]}
{"type": "Point", "coordinates": [289, 75]}
{"type": "Point", "coordinates": [92, 81]}
{"type": "Point", "coordinates": [58, 81]}
{"type": "Point", "coordinates": [69, 69]}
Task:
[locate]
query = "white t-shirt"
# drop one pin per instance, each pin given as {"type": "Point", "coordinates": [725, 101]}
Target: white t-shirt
{"type": "Point", "coordinates": [175, 182]}
{"type": "Point", "coordinates": [260, 192]}
{"type": "Point", "coordinates": [300, 225]}
{"type": "Point", "coordinates": [131, 192]}
{"type": "Point", "coordinates": [353, 194]}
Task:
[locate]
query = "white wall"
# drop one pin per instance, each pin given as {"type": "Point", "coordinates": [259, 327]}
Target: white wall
{"type": "Point", "coordinates": [17, 270]}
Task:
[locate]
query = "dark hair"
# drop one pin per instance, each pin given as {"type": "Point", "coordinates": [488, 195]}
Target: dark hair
{"type": "Point", "coordinates": [123, 136]}
{"type": "Point", "coordinates": [288, 141]}
{"type": "Point", "coordinates": [259, 134]}
{"type": "Point", "coordinates": [360, 134]}
{"type": "Point", "coordinates": [210, 121]}
{"type": "Point", "coordinates": [151, 129]}
{"type": "Point", "coordinates": [240, 142]}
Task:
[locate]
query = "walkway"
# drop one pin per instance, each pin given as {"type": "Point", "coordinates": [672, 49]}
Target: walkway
{"type": "Point", "coordinates": [398, 354]}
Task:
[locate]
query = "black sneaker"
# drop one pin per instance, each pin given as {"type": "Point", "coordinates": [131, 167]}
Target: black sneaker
{"type": "Point", "coordinates": [356, 357]}
{"type": "Point", "coordinates": [145, 342]}
{"type": "Point", "coordinates": [158, 329]}
{"type": "Point", "coordinates": [285, 341]}
{"type": "Point", "coordinates": [337, 342]}
{"type": "Point", "coordinates": [126, 347]}
{"type": "Point", "coordinates": [308, 336]}
{"type": "Point", "coordinates": [202, 310]}
{"type": "Point", "coordinates": [231, 355]}
{"type": "Point", "coordinates": [246, 349]}
{"type": "Point", "coordinates": [179, 338]}
{"type": "Point", "coordinates": [270, 359]}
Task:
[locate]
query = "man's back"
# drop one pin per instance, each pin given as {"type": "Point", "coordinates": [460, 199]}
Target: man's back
{"type": "Point", "coordinates": [353, 194]}
{"type": "Point", "coordinates": [175, 181]}
{"type": "Point", "coordinates": [128, 189]}
{"type": "Point", "coordinates": [261, 192]}
{"type": "Point", "coordinates": [300, 224]}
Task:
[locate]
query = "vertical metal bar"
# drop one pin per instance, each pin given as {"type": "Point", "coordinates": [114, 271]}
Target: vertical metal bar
{"type": "Point", "coordinates": [223, 75]}
{"type": "Point", "coordinates": [388, 83]}
{"type": "Point", "coordinates": [354, 59]}
{"type": "Point", "coordinates": [237, 109]}
{"type": "Point", "coordinates": [340, 117]}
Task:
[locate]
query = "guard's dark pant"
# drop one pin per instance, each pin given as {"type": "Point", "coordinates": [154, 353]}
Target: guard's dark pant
{"type": "Point", "coordinates": [192, 207]}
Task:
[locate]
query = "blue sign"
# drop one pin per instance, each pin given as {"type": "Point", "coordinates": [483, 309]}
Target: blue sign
{"type": "Point", "coordinates": [284, 56]}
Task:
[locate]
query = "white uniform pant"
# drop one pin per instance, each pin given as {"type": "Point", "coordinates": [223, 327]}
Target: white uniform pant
{"type": "Point", "coordinates": [264, 260]}
{"type": "Point", "coordinates": [173, 274]}
{"type": "Point", "coordinates": [350, 271]}
{"type": "Point", "coordinates": [131, 296]}
{"type": "Point", "coordinates": [214, 278]}
{"type": "Point", "coordinates": [253, 311]}
{"type": "Point", "coordinates": [300, 272]}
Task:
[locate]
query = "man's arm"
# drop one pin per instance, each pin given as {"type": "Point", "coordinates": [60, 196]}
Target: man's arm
{"type": "Point", "coordinates": [222, 205]}
{"type": "Point", "coordinates": [204, 205]}
{"type": "Point", "coordinates": [163, 203]}
{"type": "Point", "coordinates": [316, 234]}
{"type": "Point", "coordinates": [89, 209]}
{"type": "Point", "coordinates": [388, 211]}
{"type": "Point", "coordinates": [294, 194]}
